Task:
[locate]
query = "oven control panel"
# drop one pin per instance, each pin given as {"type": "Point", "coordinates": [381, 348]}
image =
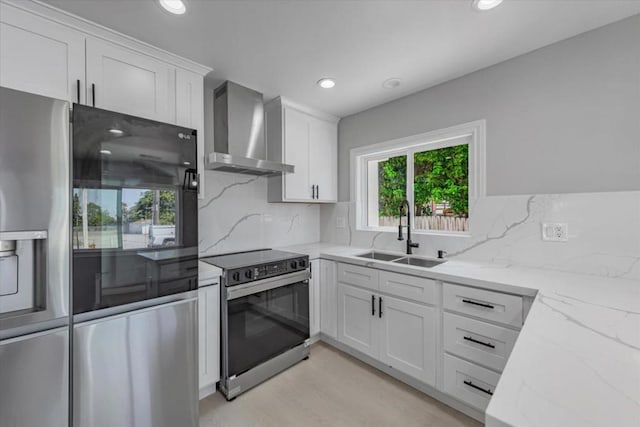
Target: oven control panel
{"type": "Point", "coordinates": [242, 275]}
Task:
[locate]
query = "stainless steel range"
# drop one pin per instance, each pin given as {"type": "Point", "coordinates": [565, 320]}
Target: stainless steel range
{"type": "Point", "coordinates": [265, 315]}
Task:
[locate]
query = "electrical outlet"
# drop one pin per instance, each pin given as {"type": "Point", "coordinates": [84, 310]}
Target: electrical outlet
{"type": "Point", "coordinates": [555, 231]}
{"type": "Point", "coordinates": [341, 222]}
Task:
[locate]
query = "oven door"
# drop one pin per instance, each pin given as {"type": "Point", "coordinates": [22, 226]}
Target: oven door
{"type": "Point", "coordinates": [264, 319]}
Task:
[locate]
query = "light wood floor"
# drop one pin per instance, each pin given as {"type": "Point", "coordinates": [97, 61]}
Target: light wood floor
{"type": "Point", "coordinates": [330, 389]}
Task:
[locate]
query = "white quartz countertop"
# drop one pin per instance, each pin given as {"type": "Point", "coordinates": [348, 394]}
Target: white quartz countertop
{"type": "Point", "coordinates": [577, 359]}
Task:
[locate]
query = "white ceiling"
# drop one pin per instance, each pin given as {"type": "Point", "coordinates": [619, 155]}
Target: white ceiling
{"type": "Point", "coordinates": [284, 47]}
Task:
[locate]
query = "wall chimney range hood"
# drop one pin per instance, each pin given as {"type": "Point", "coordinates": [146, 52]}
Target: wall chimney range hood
{"type": "Point", "coordinates": [238, 125]}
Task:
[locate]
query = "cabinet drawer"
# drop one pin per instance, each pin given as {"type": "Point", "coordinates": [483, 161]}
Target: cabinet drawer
{"type": "Point", "coordinates": [358, 276]}
{"type": "Point", "coordinates": [486, 344]}
{"type": "Point", "coordinates": [410, 287]}
{"type": "Point", "coordinates": [495, 306]}
{"type": "Point", "coordinates": [468, 382]}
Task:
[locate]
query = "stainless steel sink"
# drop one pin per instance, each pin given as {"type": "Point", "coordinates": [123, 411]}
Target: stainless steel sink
{"type": "Point", "coordinates": [419, 262]}
{"type": "Point", "coordinates": [381, 256]}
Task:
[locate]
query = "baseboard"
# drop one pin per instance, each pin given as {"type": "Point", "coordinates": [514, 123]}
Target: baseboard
{"type": "Point", "coordinates": [207, 391]}
{"type": "Point", "coordinates": [425, 388]}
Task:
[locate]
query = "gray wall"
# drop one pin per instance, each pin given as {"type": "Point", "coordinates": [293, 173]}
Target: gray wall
{"type": "Point", "coordinates": [561, 119]}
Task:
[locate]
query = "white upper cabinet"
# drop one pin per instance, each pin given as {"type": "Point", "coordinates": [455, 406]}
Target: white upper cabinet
{"type": "Point", "coordinates": [40, 56]}
{"type": "Point", "coordinates": [323, 159]}
{"type": "Point", "coordinates": [190, 100]}
{"type": "Point", "coordinates": [307, 140]}
{"type": "Point", "coordinates": [120, 79]}
{"type": "Point", "coordinates": [297, 185]}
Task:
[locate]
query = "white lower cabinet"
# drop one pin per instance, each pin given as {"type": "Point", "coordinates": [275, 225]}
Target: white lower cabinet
{"type": "Point", "coordinates": [358, 326]}
{"type": "Point", "coordinates": [488, 305]}
{"type": "Point", "coordinates": [208, 339]}
{"type": "Point", "coordinates": [469, 382]}
{"type": "Point", "coordinates": [408, 337]}
{"type": "Point", "coordinates": [359, 276]}
{"type": "Point", "coordinates": [314, 298]}
{"type": "Point", "coordinates": [486, 344]}
{"type": "Point", "coordinates": [399, 333]}
{"type": "Point", "coordinates": [480, 329]}
{"type": "Point", "coordinates": [329, 298]}
{"type": "Point", "coordinates": [415, 324]}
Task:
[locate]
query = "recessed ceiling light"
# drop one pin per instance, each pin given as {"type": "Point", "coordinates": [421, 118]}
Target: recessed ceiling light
{"type": "Point", "coordinates": [107, 152]}
{"type": "Point", "coordinates": [326, 83]}
{"type": "Point", "coordinates": [186, 163]}
{"type": "Point", "coordinates": [176, 7]}
{"type": "Point", "coordinates": [485, 4]}
{"type": "Point", "coordinates": [391, 83]}
{"type": "Point", "coordinates": [116, 132]}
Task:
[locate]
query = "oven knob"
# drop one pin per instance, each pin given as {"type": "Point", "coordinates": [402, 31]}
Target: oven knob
{"type": "Point", "coordinates": [247, 274]}
{"type": "Point", "coordinates": [303, 263]}
{"type": "Point", "coordinates": [235, 276]}
{"type": "Point", "coordinates": [294, 264]}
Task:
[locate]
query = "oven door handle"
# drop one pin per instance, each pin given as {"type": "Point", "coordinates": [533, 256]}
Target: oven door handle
{"type": "Point", "coordinates": [240, 291]}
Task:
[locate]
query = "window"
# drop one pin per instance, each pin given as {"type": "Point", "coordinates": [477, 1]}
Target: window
{"type": "Point", "coordinates": [123, 218]}
{"type": "Point", "coordinates": [438, 173]}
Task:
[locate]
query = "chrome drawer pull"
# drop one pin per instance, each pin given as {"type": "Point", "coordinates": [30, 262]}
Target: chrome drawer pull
{"type": "Point", "coordinates": [484, 390]}
{"type": "Point", "coordinates": [468, 301]}
{"type": "Point", "coordinates": [486, 344]}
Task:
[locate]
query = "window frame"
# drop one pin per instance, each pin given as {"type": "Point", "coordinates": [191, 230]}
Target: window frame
{"type": "Point", "coordinates": [473, 132]}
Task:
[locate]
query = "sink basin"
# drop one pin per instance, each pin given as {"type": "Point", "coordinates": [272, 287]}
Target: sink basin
{"type": "Point", "coordinates": [419, 262]}
{"type": "Point", "coordinates": [381, 256]}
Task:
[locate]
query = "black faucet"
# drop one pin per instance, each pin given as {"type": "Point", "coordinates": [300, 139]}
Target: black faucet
{"type": "Point", "coordinates": [410, 244]}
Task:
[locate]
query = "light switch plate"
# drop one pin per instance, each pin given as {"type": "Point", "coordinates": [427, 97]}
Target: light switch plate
{"type": "Point", "coordinates": [555, 231]}
{"type": "Point", "coordinates": [341, 222]}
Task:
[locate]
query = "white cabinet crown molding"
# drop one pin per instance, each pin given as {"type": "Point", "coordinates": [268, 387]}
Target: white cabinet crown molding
{"type": "Point", "coordinates": [96, 30]}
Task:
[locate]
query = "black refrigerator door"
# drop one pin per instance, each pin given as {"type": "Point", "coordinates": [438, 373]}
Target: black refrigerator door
{"type": "Point", "coordinates": [134, 209]}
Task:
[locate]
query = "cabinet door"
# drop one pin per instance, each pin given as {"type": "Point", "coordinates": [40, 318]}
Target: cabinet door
{"type": "Point", "coordinates": [323, 155]}
{"type": "Point", "coordinates": [190, 111]}
{"type": "Point", "coordinates": [130, 82]}
{"type": "Point", "coordinates": [208, 338]}
{"type": "Point", "coordinates": [39, 56]}
{"type": "Point", "coordinates": [357, 319]}
{"type": "Point", "coordinates": [329, 298]}
{"type": "Point", "coordinates": [314, 298]}
{"type": "Point", "coordinates": [296, 152]}
{"type": "Point", "coordinates": [408, 341]}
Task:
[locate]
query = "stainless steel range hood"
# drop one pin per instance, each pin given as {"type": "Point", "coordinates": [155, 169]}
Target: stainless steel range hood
{"type": "Point", "coordinates": [238, 124]}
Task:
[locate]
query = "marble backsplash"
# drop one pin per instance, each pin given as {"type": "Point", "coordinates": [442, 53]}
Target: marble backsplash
{"type": "Point", "coordinates": [235, 216]}
{"type": "Point", "coordinates": [604, 233]}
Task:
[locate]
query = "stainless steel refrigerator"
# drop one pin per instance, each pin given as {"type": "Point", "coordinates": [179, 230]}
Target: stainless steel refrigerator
{"type": "Point", "coordinates": [34, 260]}
{"type": "Point", "coordinates": [98, 268]}
{"type": "Point", "coordinates": [135, 271]}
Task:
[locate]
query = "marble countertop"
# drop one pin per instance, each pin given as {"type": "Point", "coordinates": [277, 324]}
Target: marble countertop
{"type": "Point", "coordinates": [577, 359]}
